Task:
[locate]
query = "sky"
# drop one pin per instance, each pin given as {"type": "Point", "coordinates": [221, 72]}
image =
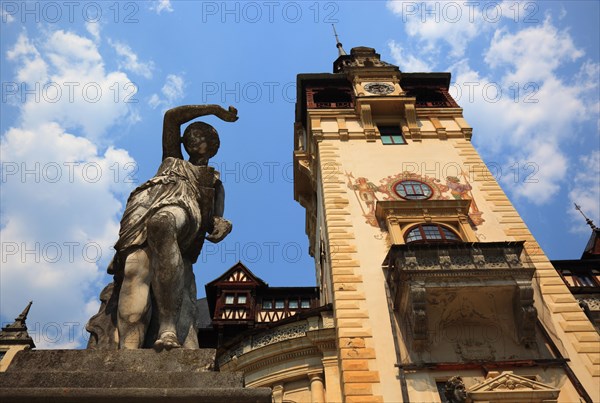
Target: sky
{"type": "Point", "coordinates": [85, 86]}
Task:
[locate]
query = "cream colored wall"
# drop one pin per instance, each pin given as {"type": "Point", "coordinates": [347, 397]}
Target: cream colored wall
{"type": "Point", "coordinates": [375, 161]}
{"type": "Point", "coordinates": [435, 158]}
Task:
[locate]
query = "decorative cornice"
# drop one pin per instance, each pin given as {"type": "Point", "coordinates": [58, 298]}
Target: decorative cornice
{"type": "Point", "coordinates": [510, 387]}
{"type": "Point", "coordinates": [292, 355]}
{"type": "Point", "coordinates": [402, 208]}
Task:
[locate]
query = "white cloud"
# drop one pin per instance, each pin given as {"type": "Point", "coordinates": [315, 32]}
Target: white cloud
{"type": "Point", "coordinates": [61, 193]}
{"type": "Point", "coordinates": [32, 67]}
{"type": "Point", "coordinates": [129, 60]}
{"type": "Point", "coordinates": [539, 172]}
{"type": "Point", "coordinates": [7, 18]}
{"type": "Point", "coordinates": [93, 27]}
{"type": "Point", "coordinates": [537, 111]}
{"type": "Point", "coordinates": [72, 189]}
{"type": "Point", "coordinates": [404, 60]}
{"type": "Point", "coordinates": [162, 5]}
{"type": "Point", "coordinates": [454, 23]}
{"type": "Point", "coordinates": [585, 191]}
{"type": "Point", "coordinates": [71, 86]}
{"type": "Point", "coordinates": [172, 91]}
{"type": "Point", "coordinates": [533, 53]}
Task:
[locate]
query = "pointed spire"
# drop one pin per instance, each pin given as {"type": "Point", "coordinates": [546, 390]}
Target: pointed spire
{"type": "Point", "coordinates": [23, 316]}
{"type": "Point", "coordinates": [16, 333]}
{"type": "Point", "coordinates": [338, 44]}
{"type": "Point", "coordinates": [587, 220]}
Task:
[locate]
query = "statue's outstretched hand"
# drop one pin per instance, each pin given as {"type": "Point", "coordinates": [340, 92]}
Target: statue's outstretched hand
{"type": "Point", "coordinates": [222, 228]}
{"type": "Point", "coordinates": [227, 115]}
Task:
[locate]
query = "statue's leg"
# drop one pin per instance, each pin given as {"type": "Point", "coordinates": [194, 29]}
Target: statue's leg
{"type": "Point", "coordinates": [189, 311]}
{"type": "Point", "coordinates": [164, 229]}
{"type": "Point", "coordinates": [134, 300]}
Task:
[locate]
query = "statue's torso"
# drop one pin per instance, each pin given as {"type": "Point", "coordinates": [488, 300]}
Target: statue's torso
{"type": "Point", "coordinates": [177, 183]}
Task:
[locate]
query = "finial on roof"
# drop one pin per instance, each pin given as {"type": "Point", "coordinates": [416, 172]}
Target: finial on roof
{"type": "Point", "coordinates": [338, 44]}
{"type": "Point", "coordinates": [587, 220]}
{"type": "Point", "coordinates": [16, 333]}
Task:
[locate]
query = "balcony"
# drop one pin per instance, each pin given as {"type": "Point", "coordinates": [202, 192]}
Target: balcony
{"type": "Point", "coordinates": [418, 274]}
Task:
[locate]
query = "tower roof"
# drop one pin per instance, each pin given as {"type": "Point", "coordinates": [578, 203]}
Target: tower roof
{"type": "Point", "coordinates": [360, 57]}
{"type": "Point", "coordinates": [16, 333]}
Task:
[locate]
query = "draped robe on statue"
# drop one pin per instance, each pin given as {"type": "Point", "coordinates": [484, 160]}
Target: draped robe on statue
{"type": "Point", "coordinates": [177, 183]}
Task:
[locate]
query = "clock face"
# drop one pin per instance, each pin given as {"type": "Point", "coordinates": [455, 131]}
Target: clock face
{"type": "Point", "coordinates": [379, 88]}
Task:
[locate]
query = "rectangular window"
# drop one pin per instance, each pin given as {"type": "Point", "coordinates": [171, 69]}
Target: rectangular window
{"type": "Point", "coordinates": [391, 135]}
{"type": "Point", "coordinates": [279, 304]}
{"type": "Point", "coordinates": [229, 298]}
{"type": "Point", "coordinates": [305, 303]}
{"type": "Point", "coordinates": [293, 304]}
{"type": "Point", "coordinates": [241, 299]}
{"type": "Point", "coordinates": [267, 304]}
{"type": "Point", "coordinates": [441, 387]}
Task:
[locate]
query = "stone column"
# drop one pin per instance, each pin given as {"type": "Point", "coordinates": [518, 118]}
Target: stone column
{"type": "Point", "coordinates": [278, 393]}
{"type": "Point", "coordinates": [333, 392]}
{"type": "Point", "coordinates": [317, 390]}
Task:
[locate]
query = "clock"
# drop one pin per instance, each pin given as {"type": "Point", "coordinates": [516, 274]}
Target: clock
{"type": "Point", "coordinates": [379, 88]}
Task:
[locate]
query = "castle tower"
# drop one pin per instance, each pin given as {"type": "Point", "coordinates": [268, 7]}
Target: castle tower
{"type": "Point", "coordinates": [439, 290]}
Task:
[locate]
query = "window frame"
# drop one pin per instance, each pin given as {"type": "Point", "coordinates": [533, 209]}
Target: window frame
{"type": "Point", "coordinates": [401, 182]}
{"type": "Point", "coordinates": [424, 239]}
{"type": "Point", "coordinates": [388, 132]}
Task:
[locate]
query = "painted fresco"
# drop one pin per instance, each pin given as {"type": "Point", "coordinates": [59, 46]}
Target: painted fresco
{"type": "Point", "coordinates": [452, 187]}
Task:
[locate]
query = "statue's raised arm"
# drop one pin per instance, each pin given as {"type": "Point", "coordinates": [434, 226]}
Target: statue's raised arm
{"type": "Point", "coordinates": [175, 117]}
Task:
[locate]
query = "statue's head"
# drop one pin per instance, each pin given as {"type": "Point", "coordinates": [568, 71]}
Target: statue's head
{"type": "Point", "coordinates": [455, 390]}
{"type": "Point", "coordinates": [200, 140]}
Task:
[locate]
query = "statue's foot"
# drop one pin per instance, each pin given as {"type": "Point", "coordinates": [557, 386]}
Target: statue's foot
{"type": "Point", "coordinates": [167, 340]}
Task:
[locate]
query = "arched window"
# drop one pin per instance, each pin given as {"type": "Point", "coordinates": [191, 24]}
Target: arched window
{"type": "Point", "coordinates": [431, 233]}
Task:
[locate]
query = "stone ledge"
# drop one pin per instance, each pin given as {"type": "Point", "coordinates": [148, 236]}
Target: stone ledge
{"type": "Point", "coordinates": [120, 380]}
{"type": "Point", "coordinates": [143, 360]}
{"type": "Point", "coordinates": [123, 376]}
{"type": "Point", "coordinates": [135, 395]}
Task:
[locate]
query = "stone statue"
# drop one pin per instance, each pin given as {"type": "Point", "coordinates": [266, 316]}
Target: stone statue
{"type": "Point", "coordinates": [151, 301]}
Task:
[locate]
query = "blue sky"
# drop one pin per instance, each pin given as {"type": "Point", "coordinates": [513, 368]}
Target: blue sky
{"type": "Point", "coordinates": [85, 84]}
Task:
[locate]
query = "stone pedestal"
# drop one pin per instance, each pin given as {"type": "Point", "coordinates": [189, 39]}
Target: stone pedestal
{"type": "Point", "coordinates": [123, 376]}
